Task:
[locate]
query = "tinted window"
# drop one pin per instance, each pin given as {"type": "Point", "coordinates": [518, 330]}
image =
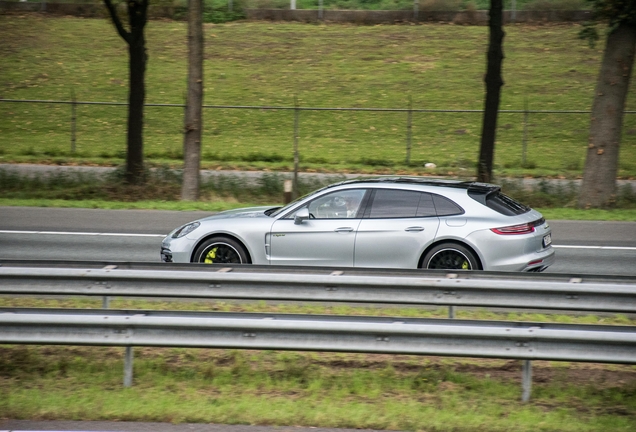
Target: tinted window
{"type": "Point", "coordinates": [389, 203]}
{"type": "Point", "coordinates": [446, 207]}
{"type": "Point", "coordinates": [505, 205]}
{"type": "Point", "coordinates": [394, 204]}
{"type": "Point", "coordinates": [426, 206]}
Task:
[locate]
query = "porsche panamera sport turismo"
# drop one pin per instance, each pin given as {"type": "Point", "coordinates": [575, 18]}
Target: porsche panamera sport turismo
{"type": "Point", "coordinates": [387, 222]}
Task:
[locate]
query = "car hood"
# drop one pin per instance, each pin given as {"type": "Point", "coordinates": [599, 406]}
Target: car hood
{"type": "Point", "coordinates": [250, 212]}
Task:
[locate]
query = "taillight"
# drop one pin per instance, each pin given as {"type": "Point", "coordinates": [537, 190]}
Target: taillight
{"type": "Point", "coordinates": [526, 228]}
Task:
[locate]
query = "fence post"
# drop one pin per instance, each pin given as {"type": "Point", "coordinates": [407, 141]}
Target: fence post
{"type": "Point", "coordinates": [296, 158]}
{"type": "Point", "coordinates": [416, 9]}
{"type": "Point", "coordinates": [73, 120]}
{"type": "Point", "coordinates": [525, 133]}
{"type": "Point", "coordinates": [320, 8]}
{"type": "Point", "coordinates": [527, 381]}
{"type": "Point", "coordinates": [288, 187]}
{"type": "Point", "coordinates": [409, 131]}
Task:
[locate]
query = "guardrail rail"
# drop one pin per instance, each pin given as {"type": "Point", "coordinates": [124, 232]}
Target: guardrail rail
{"type": "Point", "coordinates": [441, 337]}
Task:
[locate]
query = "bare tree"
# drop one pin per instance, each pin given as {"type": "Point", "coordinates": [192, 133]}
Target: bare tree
{"type": "Point", "coordinates": [606, 123]}
{"type": "Point", "coordinates": [493, 82]}
{"type": "Point", "coordinates": [138, 57]}
{"type": "Point", "coordinates": [194, 104]}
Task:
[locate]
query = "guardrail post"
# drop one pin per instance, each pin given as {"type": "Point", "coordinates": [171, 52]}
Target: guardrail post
{"type": "Point", "coordinates": [451, 312]}
{"type": "Point", "coordinates": [527, 381]}
{"type": "Point", "coordinates": [128, 367]}
{"type": "Point", "coordinates": [105, 302]}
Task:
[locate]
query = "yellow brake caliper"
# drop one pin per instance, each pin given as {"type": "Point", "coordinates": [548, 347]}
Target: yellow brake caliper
{"type": "Point", "coordinates": [465, 265]}
{"type": "Point", "coordinates": [209, 258]}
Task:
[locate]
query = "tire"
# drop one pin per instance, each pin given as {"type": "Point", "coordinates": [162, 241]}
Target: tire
{"type": "Point", "coordinates": [221, 250]}
{"type": "Point", "coordinates": [450, 256]}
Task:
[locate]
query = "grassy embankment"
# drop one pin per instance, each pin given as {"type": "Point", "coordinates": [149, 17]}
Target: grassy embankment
{"type": "Point", "coordinates": [267, 64]}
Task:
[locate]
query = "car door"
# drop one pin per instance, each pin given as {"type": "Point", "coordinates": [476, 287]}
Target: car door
{"type": "Point", "coordinates": [396, 228]}
{"type": "Point", "coordinates": [327, 238]}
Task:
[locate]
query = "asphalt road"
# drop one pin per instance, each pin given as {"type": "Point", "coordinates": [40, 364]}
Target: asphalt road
{"type": "Point", "coordinates": [583, 247]}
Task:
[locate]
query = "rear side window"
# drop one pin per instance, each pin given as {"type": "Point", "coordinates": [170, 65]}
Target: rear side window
{"type": "Point", "coordinates": [390, 203]}
{"type": "Point", "coordinates": [505, 205]}
{"type": "Point", "coordinates": [394, 204]}
{"type": "Point", "coordinates": [446, 207]}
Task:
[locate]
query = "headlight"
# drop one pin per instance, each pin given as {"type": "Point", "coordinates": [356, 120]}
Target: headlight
{"type": "Point", "coordinates": [186, 229]}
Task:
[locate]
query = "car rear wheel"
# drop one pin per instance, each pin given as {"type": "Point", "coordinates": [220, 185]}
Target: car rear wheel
{"type": "Point", "coordinates": [450, 256]}
{"type": "Point", "coordinates": [220, 250]}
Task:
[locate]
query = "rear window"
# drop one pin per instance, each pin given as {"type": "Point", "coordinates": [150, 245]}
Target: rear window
{"type": "Point", "coordinates": [502, 203]}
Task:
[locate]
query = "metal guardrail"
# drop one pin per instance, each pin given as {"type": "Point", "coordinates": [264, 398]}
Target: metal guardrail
{"type": "Point", "coordinates": [526, 341]}
{"type": "Point", "coordinates": [507, 290]}
{"type": "Point", "coordinates": [490, 339]}
{"type": "Point", "coordinates": [440, 337]}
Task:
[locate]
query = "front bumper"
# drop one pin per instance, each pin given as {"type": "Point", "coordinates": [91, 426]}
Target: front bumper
{"type": "Point", "coordinates": [166, 255]}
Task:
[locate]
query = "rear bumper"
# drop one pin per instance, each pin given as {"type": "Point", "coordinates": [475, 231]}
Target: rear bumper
{"type": "Point", "coordinates": [540, 264]}
{"type": "Point", "coordinates": [533, 262]}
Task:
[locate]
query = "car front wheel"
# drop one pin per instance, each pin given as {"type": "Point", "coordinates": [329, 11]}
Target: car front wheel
{"type": "Point", "coordinates": [450, 256]}
{"type": "Point", "coordinates": [220, 250]}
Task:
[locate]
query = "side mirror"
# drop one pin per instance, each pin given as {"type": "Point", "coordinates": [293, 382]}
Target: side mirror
{"type": "Point", "coordinates": [301, 215]}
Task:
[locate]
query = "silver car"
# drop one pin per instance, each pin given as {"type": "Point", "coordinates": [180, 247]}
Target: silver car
{"type": "Point", "coordinates": [387, 222]}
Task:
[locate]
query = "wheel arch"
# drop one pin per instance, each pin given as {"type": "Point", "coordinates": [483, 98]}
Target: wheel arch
{"type": "Point", "coordinates": [222, 235]}
{"type": "Point", "coordinates": [452, 241]}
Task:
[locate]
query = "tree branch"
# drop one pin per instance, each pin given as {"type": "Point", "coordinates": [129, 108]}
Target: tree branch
{"type": "Point", "coordinates": [118, 25]}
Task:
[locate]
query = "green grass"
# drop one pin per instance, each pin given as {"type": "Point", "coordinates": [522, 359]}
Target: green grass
{"type": "Point", "coordinates": [312, 389]}
{"type": "Point", "coordinates": [320, 390]}
{"type": "Point", "coordinates": [267, 64]}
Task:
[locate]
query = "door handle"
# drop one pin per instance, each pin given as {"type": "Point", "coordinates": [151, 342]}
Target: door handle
{"type": "Point", "coordinates": [344, 229]}
{"type": "Point", "coordinates": [414, 229]}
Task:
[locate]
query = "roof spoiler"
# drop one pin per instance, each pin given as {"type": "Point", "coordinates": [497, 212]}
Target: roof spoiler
{"type": "Point", "coordinates": [481, 191]}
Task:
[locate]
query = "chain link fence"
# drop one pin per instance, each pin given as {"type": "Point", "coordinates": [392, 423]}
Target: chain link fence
{"type": "Point", "coordinates": [314, 136]}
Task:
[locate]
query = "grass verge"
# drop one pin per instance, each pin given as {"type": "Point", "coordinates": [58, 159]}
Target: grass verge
{"type": "Point", "coordinates": [312, 389]}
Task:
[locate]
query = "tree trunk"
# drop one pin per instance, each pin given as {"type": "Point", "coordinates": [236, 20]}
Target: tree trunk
{"type": "Point", "coordinates": [194, 103]}
{"type": "Point", "coordinates": [137, 17]}
{"type": "Point", "coordinates": [136, 98]}
{"type": "Point", "coordinates": [493, 82]}
{"type": "Point", "coordinates": [601, 163]}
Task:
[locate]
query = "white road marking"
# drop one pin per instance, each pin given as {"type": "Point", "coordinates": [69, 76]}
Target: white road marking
{"type": "Point", "coordinates": [595, 247]}
{"type": "Point", "coordinates": [82, 233]}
